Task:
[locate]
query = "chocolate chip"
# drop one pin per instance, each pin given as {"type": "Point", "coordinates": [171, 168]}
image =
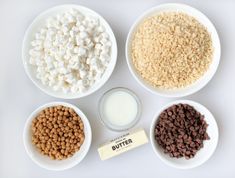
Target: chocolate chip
{"type": "Point", "coordinates": [180, 131]}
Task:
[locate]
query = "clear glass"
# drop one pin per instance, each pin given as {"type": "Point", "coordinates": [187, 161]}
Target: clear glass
{"type": "Point", "coordinates": [105, 121]}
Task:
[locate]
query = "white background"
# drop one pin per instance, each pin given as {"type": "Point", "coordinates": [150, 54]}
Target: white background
{"type": "Point", "coordinates": [19, 97]}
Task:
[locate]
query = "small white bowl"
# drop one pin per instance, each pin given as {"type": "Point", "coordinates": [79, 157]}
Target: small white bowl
{"type": "Point", "coordinates": [39, 22]}
{"type": "Point", "coordinates": [106, 122]}
{"type": "Point", "coordinates": [200, 83]}
{"type": "Point", "coordinates": [203, 154]}
{"type": "Point", "coordinates": [43, 160]}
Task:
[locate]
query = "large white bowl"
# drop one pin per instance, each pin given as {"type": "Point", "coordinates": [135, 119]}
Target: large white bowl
{"type": "Point", "coordinates": [200, 83]}
{"type": "Point", "coordinates": [39, 22]}
{"type": "Point", "coordinates": [44, 161]}
{"type": "Point", "coordinates": [203, 154]}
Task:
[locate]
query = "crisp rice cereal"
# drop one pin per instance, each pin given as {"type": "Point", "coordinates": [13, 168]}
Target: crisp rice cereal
{"type": "Point", "coordinates": [171, 50]}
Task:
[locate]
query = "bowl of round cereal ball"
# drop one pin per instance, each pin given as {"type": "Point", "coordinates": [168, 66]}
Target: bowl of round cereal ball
{"type": "Point", "coordinates": [173, 50]}
{"type": "Point", "coordinates": [184, 134]}
{"type": "Point", "coordinates": [69, 51]}
{"type": "Point", "coordinates": [57, 136]}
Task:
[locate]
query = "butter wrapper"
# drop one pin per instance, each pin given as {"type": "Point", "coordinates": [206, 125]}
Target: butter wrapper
{"type": "Point", "coordinates": [123, 144]}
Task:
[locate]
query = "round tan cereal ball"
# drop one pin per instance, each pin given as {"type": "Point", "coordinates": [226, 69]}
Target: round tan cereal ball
{"type": "Point", "coordinates": [58, 132]}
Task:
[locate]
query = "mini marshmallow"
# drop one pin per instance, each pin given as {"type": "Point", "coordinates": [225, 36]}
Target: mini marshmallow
{"type": "Point", "coordinates": [83, 35]}
{"type": "Point", "coordinates": [71, 52]}
{"type": "Point", "coordinates": [81, 51]}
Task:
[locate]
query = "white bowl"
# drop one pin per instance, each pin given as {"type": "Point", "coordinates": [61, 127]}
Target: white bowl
{"type": "Point", "coordinates": [44, 161]}
{"type": "Point", "coordinates": [203, 154]}
{"type": "Point", "coordinates": [39, 22]}
{"type": "Point", "coordinates": [200, 83]}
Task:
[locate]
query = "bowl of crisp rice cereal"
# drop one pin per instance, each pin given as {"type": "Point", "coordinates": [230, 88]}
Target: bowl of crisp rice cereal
{"type": "Point", "coordinates": [173, 50]}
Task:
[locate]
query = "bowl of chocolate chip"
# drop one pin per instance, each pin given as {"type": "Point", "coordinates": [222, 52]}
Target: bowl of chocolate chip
{"type": "Point", "coordinates": [184, 134]}
{"type": "Point", "coordinates": [57, 136]}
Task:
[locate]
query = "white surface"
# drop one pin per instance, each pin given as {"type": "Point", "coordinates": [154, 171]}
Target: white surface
{"type": "Point", "coordinates": [45, 161]}
{"type": "Point", "coordinates": [203, 154]}
{"type": "Point", "coordinates": [19, 97]}
{"type": "Point", "coordinates": [203, 19]}
{"type": "Point", "coordinates": [38, 23]}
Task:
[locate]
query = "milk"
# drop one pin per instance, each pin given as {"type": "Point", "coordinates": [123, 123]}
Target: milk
{"type": "Point", "coordinates": [120, 108]}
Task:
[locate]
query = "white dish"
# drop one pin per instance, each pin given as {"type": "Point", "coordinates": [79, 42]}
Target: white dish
{"type": "Point", "coordinates": [200, 83]}
{"type": "Point", "coordinates": [44, 161]}
{"type": "Point", "coordinates": [38, 22]}
{"type": "Point", "coordinates": [203, 154]}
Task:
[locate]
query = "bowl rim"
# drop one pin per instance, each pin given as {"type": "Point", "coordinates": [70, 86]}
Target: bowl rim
{"type": "Point", "coordinates": [196, 85]}
{"type": "Point", "coordinates": [153, 142]}
{"type": "Point", "coordinates": [26, 132]}
{"type": "Point", "coordinates": [42, 15]}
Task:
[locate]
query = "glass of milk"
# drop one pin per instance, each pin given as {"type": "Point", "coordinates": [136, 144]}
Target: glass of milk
{"type": "Point", "coordinates": [119, 109]}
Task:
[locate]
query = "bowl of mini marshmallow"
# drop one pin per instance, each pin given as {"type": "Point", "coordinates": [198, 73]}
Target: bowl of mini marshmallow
{"type": "Point", "coordinates": [69, 51]}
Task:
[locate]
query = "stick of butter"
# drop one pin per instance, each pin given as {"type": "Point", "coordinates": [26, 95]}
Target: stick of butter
{"type": "Point", "coordinates": [122, 144]}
